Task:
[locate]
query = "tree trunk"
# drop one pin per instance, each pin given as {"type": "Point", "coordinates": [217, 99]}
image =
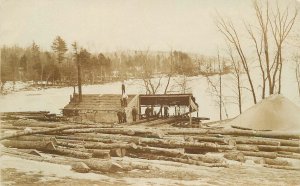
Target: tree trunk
{"type": "Point", "coordinates": [123, 131]}
{"type": "Point", "coordinates": [189, 145]}
{"type": "Point", "coordinates": [203, 158]}
{"type": "Point", "coordinates": [271, 155]}
{"type": "Point", "coordinates": [72, 153]}
{"type": "Point", "coordinates": [276, 162]}
{"type": "Point", "coordinates": [38, 145]}
{"type": "Point", "coordinates": [158, 151]}
{"type": "Point", "coordinates": [281, 167]}
{"type": "Point", "coordinates": [78, 138]}
{"type": "Point", "coordinates": [99, 145]}
{"type": "Point", "coordinates": [252, 148]}
{"type": "Point", "coordinates": [291, 156]}
{"type": "Point", "coordinates": [255, 141]}
{"type": "Point", "coordinates": [278, 148]}
{"type": "Point", "coordinates": [171, 131]}
{"type": "Point", "coordinates": [42, 131]}
{"type": "Point", "coordinates": [35, 138]}
{"type": "Point", "coordinates": [266, 134]}
{"type": "Point", "coordinates": [226, 141]}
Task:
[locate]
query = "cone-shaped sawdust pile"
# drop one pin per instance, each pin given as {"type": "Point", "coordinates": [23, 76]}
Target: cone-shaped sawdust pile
{"type": "Point", "coordinates": [274, 113]}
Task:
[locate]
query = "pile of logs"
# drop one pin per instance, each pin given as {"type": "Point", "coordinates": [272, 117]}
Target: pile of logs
{"type": "Point", "coordinates": [40, 116]}
{"type": "Point", "coordinates": [92, 146]}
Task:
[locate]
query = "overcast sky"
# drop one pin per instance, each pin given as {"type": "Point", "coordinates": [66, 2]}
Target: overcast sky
{"type": "Point", "coordinates": [110, 25]}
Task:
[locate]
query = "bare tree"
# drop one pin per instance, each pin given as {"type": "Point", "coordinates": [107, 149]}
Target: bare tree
{"type": "Point", "coordinates": [297, 69]}
{"type": "Point", "coordinates": [237, 71]}
{"type": "Point", "coordinates": [274, 26]}
{"type": "Point", "coordinates": [229, 31]}
{"type": "Point", "coordinates": [281, 24]}
{"type": "Point", "coordinates": [215, 89]}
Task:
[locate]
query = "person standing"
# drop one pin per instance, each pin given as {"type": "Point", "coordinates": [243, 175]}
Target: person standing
{"type": "Point", "coordinates": [134, 113]}
{"type": "Point", "coordinates": [147, 112]}
{"type": "Point", "coordinates": [123, 87]}
{"type": "Point", "coordinates": [166, 111]}
{"type": "Point", "coordinates": [119, 114]}
{"type": "Point", "coordinates": [124, 116]}
{"type": "Point", "coordinates": [124, 97]}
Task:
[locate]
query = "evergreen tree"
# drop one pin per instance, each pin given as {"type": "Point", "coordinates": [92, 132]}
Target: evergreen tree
{"type": "Point", "coordinates": [60, 48]}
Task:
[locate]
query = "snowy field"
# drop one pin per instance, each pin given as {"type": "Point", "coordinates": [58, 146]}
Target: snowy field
{"type": "Point", "coordinates": [54, 99]}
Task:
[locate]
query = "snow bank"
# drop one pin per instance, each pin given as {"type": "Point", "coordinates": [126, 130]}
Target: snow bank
{"type": "Point", "coordinates": [273, 113]}
{"type": "Point", "coordinates": [49, 171]}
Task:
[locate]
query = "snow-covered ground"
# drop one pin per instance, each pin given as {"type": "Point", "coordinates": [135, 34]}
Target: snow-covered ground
{"type": "Point", "coordinates": [54, 99]}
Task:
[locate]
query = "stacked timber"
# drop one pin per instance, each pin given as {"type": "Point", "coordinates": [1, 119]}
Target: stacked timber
{"type": "Point", "coordinates": [95, 146]}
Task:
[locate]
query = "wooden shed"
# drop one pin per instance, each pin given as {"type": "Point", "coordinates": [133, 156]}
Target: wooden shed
{"type": "Point", "coordinates": [98, 107]}
{"type": "Point", "coordinates": [104, 107]}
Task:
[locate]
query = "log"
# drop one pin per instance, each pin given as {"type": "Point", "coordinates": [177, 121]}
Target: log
{"type": "Point", "coordinates": [42, 131]}
{"type": "Point", "coordinates": [278, 148]}
{"type": "Point", "coordinates": [237, 156]}
{"type": "Point", "coordinates": [179, 144]}
{"type": "Point", "coordinates": [252, 148]}
{"type": "Point", "coordinates": [99, 165]}
{"type": "Point", "coordinates": [289, 143]}
{"type": "Point", "coordinates": [163, 121]}
{"type": "Point", "coordinates": [45, 146]}
{"type": "Point", "coordinates": [70, 145]}
{"type": "Point", "coordinates": [276, 162]}
{"type": "Point", "coordinates": [256, 141]}
{"type": "Point", "coordinates": [226, 141]}
{"type": "Point", "coordinates": [267, 141]}
{"type": "Point", "coordinates": [265, 134]}
{"type": "Point", "coordinates": [38, 145]}
{"type": "Point", "coordinates": [180, 160]}
{"type": "Point", "coordinates": [35, 138]}
{"type": "Point", "coordinates": [203, 158]}
{"type": "Point", "coordinates": [272, 161]}
{"type": "Point", "coordinates": [185, 131]}
{"type": "Point", "coordinates": [99, 145]}
{"type": "Point", "coordinates": [80, 167]}
{"type": "Point", "coordinates": [271, 155]}
{"type": "Point", "coordinates": [282, 167]}
{"type": "Point", "coordinates": [148, 133]}
{"type": "Point", "coordinates": [130, 132]}
{"type": "Point", "coordinates": [109, 137]}
{"type": "Point", "coordinates": [192, 162]}
{"type": "Point", "coordinates": [291, 156]}
{"type": "Point", "coordinates": [34, 123]}
{"type": "Point", "coordinates": [72, 153]}
{"type": "Point", "coordinates": [157, 151]}
{"type": "Point", "coordinates": [93, 163]}
{"type": "Point", "coordinates": [100, 130]}
{"type": "Point", "coordinates": [78, 138]}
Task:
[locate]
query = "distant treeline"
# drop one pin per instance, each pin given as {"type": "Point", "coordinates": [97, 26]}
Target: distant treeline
{"type": "Point", "coordinates": [59, 66]}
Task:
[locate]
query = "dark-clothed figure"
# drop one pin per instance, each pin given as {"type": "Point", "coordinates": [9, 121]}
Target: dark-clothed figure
{"type": "Point", "coordinates": [123, 87]}
{"type": "Point", "coordinates": [134, 113]}
{"type": "Point", "coordinates": [147, 113]}
{"type": "Point", "coordinates": [121, 100]}
{"type": "Point", "coordinates": [124, 116]}
{"type": "Point", "coordinates": [124, 98]}
{"type": "Point", "coordinates": [166, 111]}
{"type": "Point", "coordinates": [120, 117]}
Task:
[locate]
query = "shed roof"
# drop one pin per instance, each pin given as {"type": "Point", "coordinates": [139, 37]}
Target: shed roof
{"type": "Point", "coordinates": [166, 99]}
{"type": "Point", "coordinates": [97, 102]}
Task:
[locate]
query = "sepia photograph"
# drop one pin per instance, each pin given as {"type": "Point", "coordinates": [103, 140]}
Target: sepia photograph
{"type": "Point", "coordinates": [149, 92]}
